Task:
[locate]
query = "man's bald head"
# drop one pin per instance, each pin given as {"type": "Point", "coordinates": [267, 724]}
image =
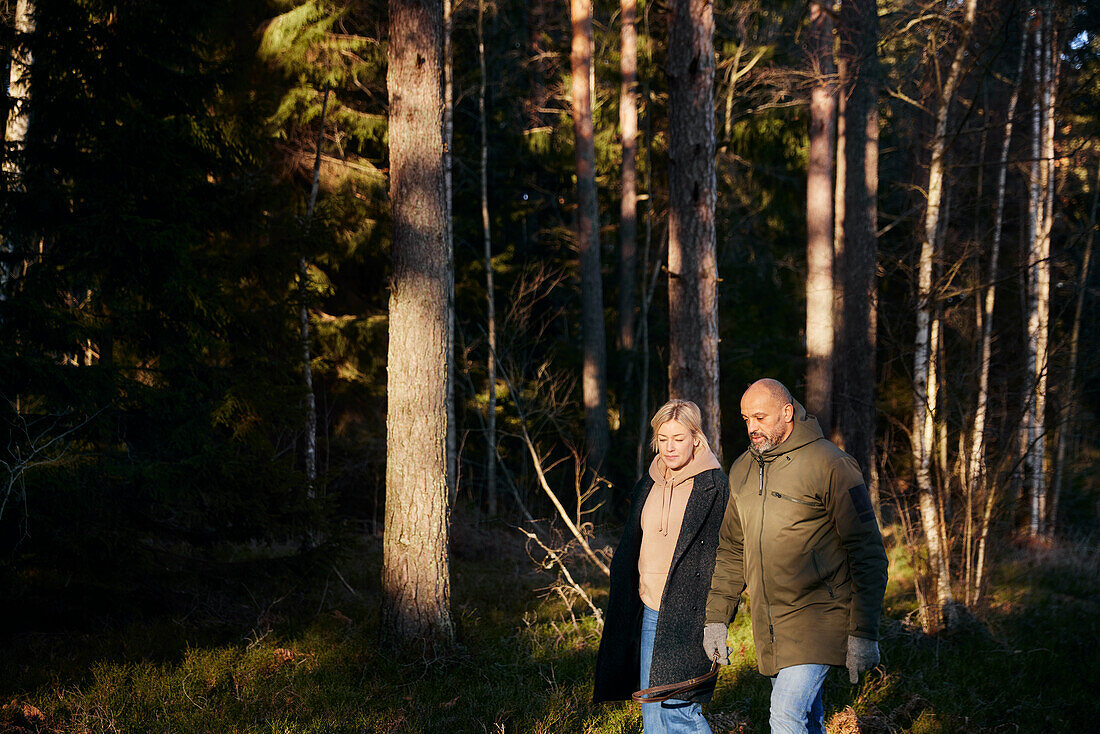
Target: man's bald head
{"type": "Point", "coordinates": [774, 389]}
{"type": "Point", "coordinates": [768, 411]}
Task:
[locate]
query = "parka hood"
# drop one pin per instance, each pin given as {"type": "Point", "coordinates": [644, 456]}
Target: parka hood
{"type": "Point", "coordinates": [805, 431]}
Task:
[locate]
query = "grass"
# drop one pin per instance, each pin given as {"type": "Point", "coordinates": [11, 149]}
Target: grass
{"type": "Point", "coordinates": [300, 654]}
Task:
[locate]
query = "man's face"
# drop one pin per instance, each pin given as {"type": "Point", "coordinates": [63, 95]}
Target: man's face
{"type": "Point", "coordinates": [769, 422]}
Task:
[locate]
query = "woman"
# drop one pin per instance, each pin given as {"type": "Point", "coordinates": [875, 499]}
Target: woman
{"type": "Point", "coordinates": [660, 575]}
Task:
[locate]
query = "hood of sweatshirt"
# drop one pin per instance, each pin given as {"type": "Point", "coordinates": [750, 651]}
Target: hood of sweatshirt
{"type": "Point", "coordinates": [666, 481]}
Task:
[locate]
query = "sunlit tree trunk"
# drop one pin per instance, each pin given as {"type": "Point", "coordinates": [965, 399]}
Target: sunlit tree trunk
{"type": "Point", "coordinates": [594, 377]}
{"type": "Point", "coordinates": [692, 185]}
{"type": "Point", "coordinates": [628, 205]}
{"type": "Point", "coordinates": [977, 479]}
{"type": "Point", "coordinates": [17, 124]}
{"type": "Point", "coordinates": [1038, 270]}
{"type": "Point", "coordinates": [647, 247]}
{"type": "Point", "coordinates": [855, 244]}
{"type": "Point", "coordinates": [19, 92]}
{"type": "Point", "coordinates": [923, 405]}
{"type": "Point", "coordinates": [415, 565]}
{"type": "Point", "coordinates": [819, 218]}
{"type": "Point", "coordinates": [490, 304]}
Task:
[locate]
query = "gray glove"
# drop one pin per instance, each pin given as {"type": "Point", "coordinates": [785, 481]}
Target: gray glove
{"type": "Point", "coordinates": [714, 642]}
{"type": "Point", "coordinates": [862, 655]}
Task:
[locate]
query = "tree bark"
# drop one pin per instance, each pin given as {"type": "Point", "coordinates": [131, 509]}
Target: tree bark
{"type": "Point", "coordinates": [1068, 413]}
{"type": "Point", "coordinates": [448, 188]}
{"type": "Point", "coordinates": [303, 316]}
{"type": "Point", "coordinates": [978, 483]}
{"type": "Point", "coordinates": [490, 298]}
{"type": "Point", "coordinates": [923, 375]}
{"type": "Point", "coordinates": [594, 376]}
{"type": "Point", "coordinates": [819, 218]}
{"type": "Point", "coordinates": [628, 205]}
{"type": "Point", "coordinates": [17, 124]}
{"type": "Point", "coordinates": [855, 244]}
{"type": "Point", "coordinates": [692, 255]}
{"type": "Point", "coordinates": [415, 566]}
{"type": "Point", "coordinates": [1038, 269]}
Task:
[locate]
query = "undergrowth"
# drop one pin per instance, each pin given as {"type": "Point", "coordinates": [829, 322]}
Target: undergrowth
{"type": "Point", "coordinates": [304, 656]}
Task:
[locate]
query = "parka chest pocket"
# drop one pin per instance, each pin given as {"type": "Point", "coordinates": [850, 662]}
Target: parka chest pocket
{"type": "Point", "coordinates": [795, 507]}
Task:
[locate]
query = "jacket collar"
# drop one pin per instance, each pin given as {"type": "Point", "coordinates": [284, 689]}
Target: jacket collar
{"type": "Point", "coordinates": [805, 431]}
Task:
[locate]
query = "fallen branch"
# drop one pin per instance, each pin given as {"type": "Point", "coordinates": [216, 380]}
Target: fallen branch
{"type": "Point", "coordinates": [557, 560]}
{"type": "Point", "coordinates": [546, 485]}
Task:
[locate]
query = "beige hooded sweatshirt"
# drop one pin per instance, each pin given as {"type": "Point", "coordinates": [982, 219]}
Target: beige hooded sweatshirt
{"type": "Point", "coordinates": [662, 515]}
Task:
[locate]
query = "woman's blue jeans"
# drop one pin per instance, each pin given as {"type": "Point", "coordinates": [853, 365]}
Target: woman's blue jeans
{"type": "Point", "coordinates": [796, 706]}
{"type": "Point", "coordinates": [675, 716]}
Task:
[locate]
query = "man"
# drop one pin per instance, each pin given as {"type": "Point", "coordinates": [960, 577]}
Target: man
{"type": "Point", "coordinates": [800, 534]}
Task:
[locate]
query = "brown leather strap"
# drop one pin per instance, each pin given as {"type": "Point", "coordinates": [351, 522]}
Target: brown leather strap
{"type": "Point", "coordinates": [656, 694]}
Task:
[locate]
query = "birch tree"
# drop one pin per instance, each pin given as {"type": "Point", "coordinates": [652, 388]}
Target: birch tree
{"type": "Point", "coordinates": [303, 315]}
{"type": "Point", "coordinates": [1041, 192]}
{"type": "Point", "coordinates": [923, 401]}
{"type": "Point", "coordinates": [1068, 413]}
{"type": "Point", "coordinates": [415, 570]}
{"type": "Point", "coordinates": [692, 184]}
{"type": "Point", "coordinates": [976, 476]}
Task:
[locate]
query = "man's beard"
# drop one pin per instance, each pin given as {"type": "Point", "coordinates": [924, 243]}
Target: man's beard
{"type": "Point", "coordinates": [770, 440]}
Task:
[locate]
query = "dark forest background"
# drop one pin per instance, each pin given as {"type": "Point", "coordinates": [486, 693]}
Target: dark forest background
{"type": "Point", "coordinates": [156, 221]}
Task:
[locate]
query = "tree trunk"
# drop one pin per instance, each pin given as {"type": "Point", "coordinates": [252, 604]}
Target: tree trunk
{"type": "Point", "coordinates": [628, 206]}
{"type": "Point", "coordinates": [647, 245]}
{"type": "Point", "coordinates": [448, 188]}
{"type": "Point", "coordinates": [490, 304]}
{"type": "Point", "coordinates": [856, 247]}
{"type": "Point", "coordinates": [977, 479]}
{"type": "Point", "coordinates": [19, 91]}
{"type": "Point", "coordinates": [1039, 270]}
{"type": "Point", "coordinates": [1068, 413]}
{"type": "Point", "coordinates": [923, 405]}
{"type": "Point", "coordinates": [594, 376]}
{"type": "Point", "coordinates": [303, 316]}
{"type": "Point", "coordinates": [819, 219]}
{"type": "Point", "coordinates": [18, 122]}
{"type": "Point", "coordinates": [415, 572]}
{"type": "Point", "coordinates": [692, 185]}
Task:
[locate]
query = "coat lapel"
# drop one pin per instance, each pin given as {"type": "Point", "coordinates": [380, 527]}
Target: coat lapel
{"type": "Point", "coordinates": [695, 514]}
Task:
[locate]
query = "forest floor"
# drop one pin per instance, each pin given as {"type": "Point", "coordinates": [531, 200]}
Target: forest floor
{"type": "Point", "coordinates": [263, 645]}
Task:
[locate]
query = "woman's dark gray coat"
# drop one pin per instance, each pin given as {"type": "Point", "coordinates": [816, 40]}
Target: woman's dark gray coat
{"type": "Point", "coordinates": [678, 644]}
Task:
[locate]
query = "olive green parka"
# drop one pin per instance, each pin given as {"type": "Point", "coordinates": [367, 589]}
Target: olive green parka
{"type": "Point", "coordinates": [799, 533]}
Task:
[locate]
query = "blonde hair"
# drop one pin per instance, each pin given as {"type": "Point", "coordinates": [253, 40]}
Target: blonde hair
{"type": "Point", "coordinates": [684, 412]}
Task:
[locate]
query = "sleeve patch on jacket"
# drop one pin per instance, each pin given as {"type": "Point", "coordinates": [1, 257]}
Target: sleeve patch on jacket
{"type": "Point", "coordinates": [861, 500]}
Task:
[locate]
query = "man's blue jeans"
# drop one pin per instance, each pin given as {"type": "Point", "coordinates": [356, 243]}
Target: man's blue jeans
{"type": "Point", "coordinates": [796, 700]}
{"type": "Point", "coordinates": [675, 717]}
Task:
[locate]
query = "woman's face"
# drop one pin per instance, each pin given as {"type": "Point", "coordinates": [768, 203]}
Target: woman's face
{"type": "Point", "coordinates": [676, 444]}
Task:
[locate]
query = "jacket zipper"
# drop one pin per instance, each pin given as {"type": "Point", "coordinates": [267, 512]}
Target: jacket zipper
{"type": "Point", "coordinates": [792, 499]}
{"type": "Point", "coordinates": [817, 570]}
{"type": "Point", "coordinates": [760, 545]}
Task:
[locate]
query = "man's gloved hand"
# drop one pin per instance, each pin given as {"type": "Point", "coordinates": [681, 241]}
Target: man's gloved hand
{"type": "Point", "coordinates": [714, 642]}
{"type": "Point", "coordinates": [862, 655]}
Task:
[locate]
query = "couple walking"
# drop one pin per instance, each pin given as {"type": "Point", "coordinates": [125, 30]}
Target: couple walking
{"type": "Point", "coordinates": [793, 525]}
